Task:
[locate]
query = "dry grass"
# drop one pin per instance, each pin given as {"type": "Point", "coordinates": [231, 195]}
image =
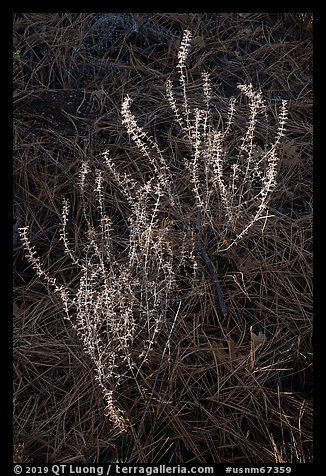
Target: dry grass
{"type": "Point", "coordinates": [214, 397]}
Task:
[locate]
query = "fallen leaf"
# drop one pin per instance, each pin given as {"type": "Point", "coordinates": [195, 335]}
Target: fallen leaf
{"type": "Point", "coordinates": [16, 311]}
{"type": "Point", "coordinates": [290, 149]}
{"type": "Point", "coordinates": [257, 152]}
{"type": "Point", "coordinates": [234, 351]}
{"type": "Point", "coordinates": [220, 352]}
{"type": "Point", "coordinates": [199, 41]}
{"type": "Point", "coordinates": [309, 26]}
{"type": "Point", "coordinates": [249, 265]}
{"type": "Point", "coordinates": [257, 339]}
{"type": "Point", "coordinates": [230, 353]}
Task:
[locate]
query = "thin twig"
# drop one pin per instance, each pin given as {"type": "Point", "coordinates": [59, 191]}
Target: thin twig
{"type": "Point", "coordinates": [210, 268]}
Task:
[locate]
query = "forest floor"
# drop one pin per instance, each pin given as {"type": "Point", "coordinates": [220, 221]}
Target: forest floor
{"type": "Point", "coordinates": [235, 400]}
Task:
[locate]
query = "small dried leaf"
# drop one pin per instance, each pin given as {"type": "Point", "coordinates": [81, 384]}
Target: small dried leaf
{"type": "Point", "coordinates": [224, 354]}
{"type": "Point", "coordinates": [234, 351]}
{"type": "Point", "coordinates": [310, 27]}
{"type": "Point", "coordinates": [257, 339]}
{"type": "Point", "coordinates": [220, 352]}
{"type": "Point", "coordinates": [199, 42]}
{"type": "Point", "coordinates": [249, 265]}
{"type": "Point", "coordinates": [290, 150]}
{"type": "Point", "coordinates": [258, 30]}
{"type": "Point", "coordinates": [257, 152]}
{"type": "Point", "coordinates": [16, 311]}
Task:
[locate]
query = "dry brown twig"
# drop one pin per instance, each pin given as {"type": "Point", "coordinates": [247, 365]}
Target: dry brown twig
{"type": "Point", "coordinates": [201, 377]}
